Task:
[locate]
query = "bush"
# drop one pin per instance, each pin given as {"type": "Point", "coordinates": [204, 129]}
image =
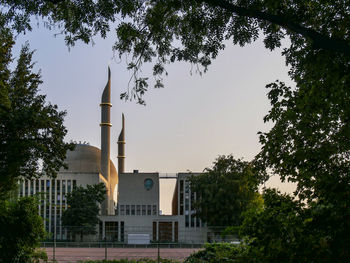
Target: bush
{"type": "Point", "coordinates": [218, 253]}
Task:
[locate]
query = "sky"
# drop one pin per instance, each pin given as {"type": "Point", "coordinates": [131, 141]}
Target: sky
{"type": "Point", "coordinates": [184, 126]}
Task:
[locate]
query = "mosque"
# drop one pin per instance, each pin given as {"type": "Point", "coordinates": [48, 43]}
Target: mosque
{"type": "Point", "coordinates": [130, 212]}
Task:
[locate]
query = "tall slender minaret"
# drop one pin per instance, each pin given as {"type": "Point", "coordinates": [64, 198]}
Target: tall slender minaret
{"type": "Point", "coordinates": [105, 129]}
{"type": "Point", "coordinates": [121, 148]}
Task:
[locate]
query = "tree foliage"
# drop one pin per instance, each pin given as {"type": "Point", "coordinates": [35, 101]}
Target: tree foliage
{"type": "Point", "coordinates": [286, 230]}
{"type": "Point", "coordinates": [21, 230]}
{"type": "Point", "coordinates": [194, 31]}
{"type": "Point", "coordinates": [224, 191]}
{"type": "Point", "coordinates": [81, 216]}
{"type": "Point", "coordinates": [31, 130]}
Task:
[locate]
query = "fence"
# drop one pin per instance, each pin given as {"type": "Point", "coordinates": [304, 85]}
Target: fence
{"type": "Point", "coordinates": [132, 243]}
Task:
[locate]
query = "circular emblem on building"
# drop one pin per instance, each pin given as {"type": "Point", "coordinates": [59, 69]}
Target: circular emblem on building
{"type": "Point", "coordinates": [148, 184]}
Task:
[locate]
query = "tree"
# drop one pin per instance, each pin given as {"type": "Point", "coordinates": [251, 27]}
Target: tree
{"type": "Point", "coordinates": [286, 230]}
{"type": "Point", "coordinates": [195, 31]}
{"type": "Point", "coordinates": [21, 230]}
{"type": "Point", "coordinates": [31, 130]}
{"type": "Point", "coordinates": [224, 191]}
{"type": "Point", "coordinates": [81, 217]}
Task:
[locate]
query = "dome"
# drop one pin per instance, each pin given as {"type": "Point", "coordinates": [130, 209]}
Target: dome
{"type": "Point", "coordinates": [85, 159]}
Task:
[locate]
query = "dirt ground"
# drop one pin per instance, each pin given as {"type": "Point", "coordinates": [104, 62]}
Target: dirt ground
{"type": "Point", "coordinates": [72, 255]}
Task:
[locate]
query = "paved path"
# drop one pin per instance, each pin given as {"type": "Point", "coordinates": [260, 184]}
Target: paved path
{"type": "Point", "coordinates": [72, 255]}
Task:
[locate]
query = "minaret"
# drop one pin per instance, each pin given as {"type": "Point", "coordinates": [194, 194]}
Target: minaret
{"type": "Point", "coordinates": [105, 129]}
{"type": "Point", "coordinates": [121, 148]}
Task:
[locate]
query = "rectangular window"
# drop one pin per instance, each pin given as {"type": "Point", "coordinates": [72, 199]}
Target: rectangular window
{"type": "Point", "coordinates": [37, 186]}
{"type": "Point", "coordinates": [187, 198]}
{"type": "Point", "coordinates": [149, 210]}
{"type": "Point", "coordinates": [21, 188]}
{"type": "Point", "coordinates": [69, 186]}
{"type": "Point", "coordinates": [47, 193]}
{"type": "Point", "coordinates": [31, 188]}
{"type": "Point", "coordinates": [53, 192]}
{"type": "Point", "coordinates": [154, 210]}
{"type": "Point", "coordinates": [143, 210]}
{"type": "Point", "coordinates": [187, 220]}
{"type": "Point", "coordinates": [63, 186]}
{"type": "Point", "coordinates": [74, 184]}
{"type": "Point", "coordinates": [26, 188]}
{"type": "Point", "coordinates": [133, 210]}
{"type": "Point", "coordinates": [122, 210]}
{"type": "Point", "coordinates": [63, 192]}
{"type": "Point", "coordinates": [122, 231]}
{"type": "Point", "coordinates": [127, 209]}
{"type": "Point", "coordinates": [192, 209]}
{"type": "Point", "coordinates": [181, 197]}
{"type": "Point", "coordinates": [117, 210]}
{"type": "Point", "coordinates": [138, 210]}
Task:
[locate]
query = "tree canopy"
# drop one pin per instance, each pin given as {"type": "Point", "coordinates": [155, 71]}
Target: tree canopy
{"type": "Point", "coordinates": [225, 191]}
{"type": "Point", "coordinates": [195, 31]}
{"type": "Point", "coordinates": [21, 230]}
{"type": "Point", "coordinates": [31, 130]}
{"type": "Point", "coordinates": [81, 216]}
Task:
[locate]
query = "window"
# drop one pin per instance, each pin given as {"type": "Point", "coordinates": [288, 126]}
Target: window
{"type": "Point", "coordinates": [192, 209]}
{"type": "Point", "coordinates": [42, 185]}
{"type": "Point", "coordinates": [138, 210]}
{"type": "Point", "coordinates": [154, 210]}
{"type": "Point", "coordinates": [181, 197]}
{"type": "Point", "coordinates": [127, 210]}
{"type": "Point", "coordinates": [31, 188]}
{"type": "Point", "coordinates": [143, 210]}
{"type": "Point", "coordinates": [47, 193]}
{"type": "Point", "coordinates": [187, 201]}
{"type": "Point", "coordinates": [122, 231]}
{"type": "Point", "coordinates": [187, 220]}
{"type": "Point", "coordinates": [21, 188]}
{"type": "Point", "coordinates": [117, 210]}
{"type": "Point", "coordinates": [69, 186]}
{"type": "Point", "coordinates": [74, 184]}
{"type": "Point", "coordinates": [133, 210]}
{"type": "Point", "coordinates": [26, 188]}
{"type": "Point", "coordinates": [37, 186]}
{"type": "Point", "coordinates": [149, 208]}
{"type": "Point", "coordinates": [122, 210]}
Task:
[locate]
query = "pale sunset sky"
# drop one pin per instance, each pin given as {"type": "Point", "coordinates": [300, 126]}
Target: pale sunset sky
{"type": "Point", "coordinates": [184, 126]}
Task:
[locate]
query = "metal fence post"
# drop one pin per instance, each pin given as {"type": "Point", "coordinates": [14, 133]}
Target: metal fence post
{"type": "Point", "coordinates": [158, 258]}
{"type": "Point", "coordinates": [105, 248]}
{"type": "Point", "coordinates": [54, 243]}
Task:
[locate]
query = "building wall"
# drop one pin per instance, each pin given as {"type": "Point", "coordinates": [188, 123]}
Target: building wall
{"type": "Point", "coordinates": [52, 196]}
{"type": "Point", "coordinates": [191, 228]}
{"type": "Point", "coordinates": [134, 199]}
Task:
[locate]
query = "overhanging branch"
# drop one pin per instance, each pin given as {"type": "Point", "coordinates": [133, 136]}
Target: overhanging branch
{"type": "Point", "coordinates": [318, 40]}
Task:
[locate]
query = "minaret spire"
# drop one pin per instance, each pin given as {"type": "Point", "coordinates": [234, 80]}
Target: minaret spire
{"type": "Point", "coordinates": [121, 148]}
{"type": "Point", "coordinates": [105, 129]}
